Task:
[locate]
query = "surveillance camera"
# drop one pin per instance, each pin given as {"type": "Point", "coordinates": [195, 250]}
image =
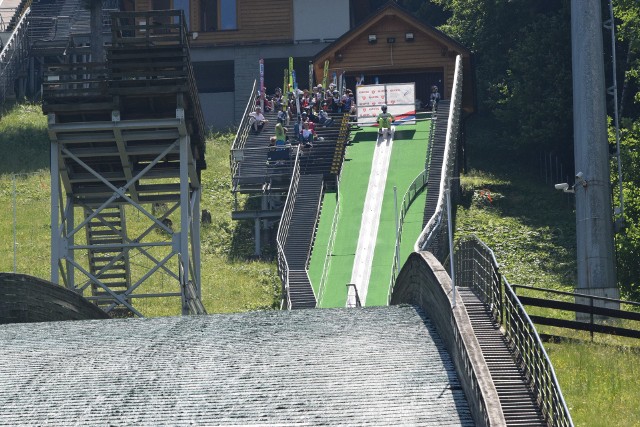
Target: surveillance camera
{"type": "Point", "coordinates": [579, 176]}
{"type": "Point", "coordinates": [562, 186]}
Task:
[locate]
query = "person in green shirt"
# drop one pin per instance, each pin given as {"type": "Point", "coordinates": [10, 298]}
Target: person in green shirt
{"type": "Point", "coordinates": [384, 121]}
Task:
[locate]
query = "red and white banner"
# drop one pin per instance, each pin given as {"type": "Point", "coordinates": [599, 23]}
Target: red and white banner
{"type": "Point", "coordinates": [400, 99]}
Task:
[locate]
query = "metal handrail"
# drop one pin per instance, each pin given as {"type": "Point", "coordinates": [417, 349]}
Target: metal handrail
{"type": "Point", "coordinates": [477, 266]}
{"type": "Point", "coordinates": [283, 229]}
{"type": "Point", "coordinates": [481, 274]}
{"type": "Point", "coordinates": [315, 224]}
{"type": "Point", "coordinates": [332, 240]}
{"type": "Point", "coordinates": [534, 360]}
{"type": "Point", "coordinates": [415, 188]}
{"type": "Point", "coordinates": [13, 54]}
{"type": "Point", "coordinates": [431, 230]}
{"type": "Point", "coordinates": [242, 134]}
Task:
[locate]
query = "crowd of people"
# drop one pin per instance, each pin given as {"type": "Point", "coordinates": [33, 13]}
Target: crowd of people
{"type": "Point", "coordinates": [305, 109]}
{"type": "Point", "coordinates": [311, 108]}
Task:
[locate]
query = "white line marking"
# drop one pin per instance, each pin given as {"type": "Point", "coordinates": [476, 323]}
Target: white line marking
{"type": "Point", "coordinates": [361, 272]}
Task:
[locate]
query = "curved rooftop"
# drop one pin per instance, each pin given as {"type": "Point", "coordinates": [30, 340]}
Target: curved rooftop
{"type": "Point", "coordinates": [371, 366]}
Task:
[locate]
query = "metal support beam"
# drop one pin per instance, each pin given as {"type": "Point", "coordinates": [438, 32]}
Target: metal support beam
{"type": "Point", "coordinates": [110, 245]}
{"type": "Point", "coordinates": [184, 218]}
{"type": "Point", "coordinates": [55, 209]}
{"type": "Point", "coordinates": [258, 246]}
{"type": "Point", "coordinates": [195, 239]}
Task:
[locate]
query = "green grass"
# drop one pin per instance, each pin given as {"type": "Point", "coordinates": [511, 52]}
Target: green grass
{"type": "Point", "coordinates": [599, 382]}
{"type": "Point", "coordinates": [231, 280]}
{"type": "Point", "coordinates": [352, 190]}
{"type": "Point", "coordinates": [407, 161]}
{"type": "Point", "coordinates": [531, 228]}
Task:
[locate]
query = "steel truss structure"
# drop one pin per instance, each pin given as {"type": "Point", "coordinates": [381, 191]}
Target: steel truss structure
{"type": "Point", "coordinates": [111, 170]}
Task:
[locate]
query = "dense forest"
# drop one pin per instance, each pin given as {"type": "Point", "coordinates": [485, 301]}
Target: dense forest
{"type": "Point", "coordinates": [522, 52]}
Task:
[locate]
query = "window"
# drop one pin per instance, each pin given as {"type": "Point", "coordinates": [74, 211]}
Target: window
{"type": "Point", "coordinates": [228, 19]}
{"type": "Point", "coordinates": [218, 15]}
{"type": "Point", "coordinates": [182, 5]}
{"type": "Point", "coordinates": [214, 76]}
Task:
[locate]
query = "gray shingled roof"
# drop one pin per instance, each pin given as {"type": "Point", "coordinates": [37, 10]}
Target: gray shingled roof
{"type": "Point", "coordinates": [371, 366]}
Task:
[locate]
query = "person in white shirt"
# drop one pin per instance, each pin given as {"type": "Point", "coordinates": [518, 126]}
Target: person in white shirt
{"type": "Point", "coordinates": [257, 120]}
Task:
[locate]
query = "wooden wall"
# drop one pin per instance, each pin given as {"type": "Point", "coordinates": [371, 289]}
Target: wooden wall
{"type": "Point", "coordinates": [258, 22]}
{"type": "Point", "coordinates": [425, 53]}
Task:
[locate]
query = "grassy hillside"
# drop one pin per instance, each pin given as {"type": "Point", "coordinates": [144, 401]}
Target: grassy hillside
{"type": "Point", "coordinates": [231, 281]}
{"type": "Point", "coordinates": [529, 225]}
{"type": "Point", "coordinates": [531, 228]}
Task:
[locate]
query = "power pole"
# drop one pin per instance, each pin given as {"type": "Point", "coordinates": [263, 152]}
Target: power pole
{"type": "Point", "coordinates": [594, 221]}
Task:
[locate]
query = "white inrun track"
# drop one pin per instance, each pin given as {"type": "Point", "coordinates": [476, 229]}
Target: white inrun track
{"type": "Point", "coordinates": [361, 272]}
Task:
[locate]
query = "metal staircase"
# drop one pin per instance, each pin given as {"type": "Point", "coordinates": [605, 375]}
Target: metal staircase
{"type": "Point", "coordinates": [128, 134]}
{"type": "Point", "coordinates": [108, 255]}
{"type": "Point", "coordinates": [297, 246]}
{"type": "Point", "coordinates": [13, 57]}
{"type": "Point", "coordinates": [436, 157]}
{"type": "Point", "coordinates": [519, 404]}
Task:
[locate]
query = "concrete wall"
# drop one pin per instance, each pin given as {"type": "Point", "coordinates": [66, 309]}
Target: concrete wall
{"type": "Point", "coordinates": [229, 111]}
{"type": "Point", "coordinates": [218, 109]}
{"type": "Point", "coordinates": [425, 283]}
{"type": "Point", "coordinates": [30, 299]}
{"type": "Point", "coordinates": [328, 19]}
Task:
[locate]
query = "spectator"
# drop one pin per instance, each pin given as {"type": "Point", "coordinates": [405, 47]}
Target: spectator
{"type": "Point", "coordinates": [283, 116]}
{"type": "Point", "coordinates": [257, 120]}
{"type": "Point", "coordinates": [306, 135]}
{"type": "Point", "coordinates": [323, 116]}
{"type": "Point", "coordinates": [281, 135]}
{"type": "Point", "coordinates": [336, 105]}
{"type": "Point", "coordinates": [346, 103]}
{"type": "Point", "coordinates": [277, 99]}
{"type": "Point", "coordinates": [435, 98]}
{"type": "Point", "coordinates": [307, 119]}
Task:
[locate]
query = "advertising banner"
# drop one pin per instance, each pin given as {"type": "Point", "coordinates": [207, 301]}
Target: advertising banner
{"type": "Point", "coordinates": [399, 98]}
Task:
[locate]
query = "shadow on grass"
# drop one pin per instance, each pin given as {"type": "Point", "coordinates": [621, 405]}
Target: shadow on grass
{"type": "Point", "coordinates": [516, 190]}
{"type": "Point", "coordinates": [24, 149]}
{"type": "Point", "coordinates": [243, 239]}
{"type": "Point", "coordinates": [404, 134]}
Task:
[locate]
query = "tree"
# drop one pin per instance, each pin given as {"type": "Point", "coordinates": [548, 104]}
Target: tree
{"type": "Point", "coordinates": [627, 240]}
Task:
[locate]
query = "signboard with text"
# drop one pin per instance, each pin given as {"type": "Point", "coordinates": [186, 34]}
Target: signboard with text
{"type": "Point", "coordinates": [400, 99]}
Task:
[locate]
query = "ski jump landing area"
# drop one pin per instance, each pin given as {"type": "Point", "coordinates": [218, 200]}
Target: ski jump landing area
{"type": "Point", "coordinates": [367, 215]}
{"type": "Point", "coordinates": [370, 219]}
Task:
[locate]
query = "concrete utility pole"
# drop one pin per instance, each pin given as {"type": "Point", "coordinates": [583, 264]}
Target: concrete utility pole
{"type": "Point", "coordinates": [594, 223]}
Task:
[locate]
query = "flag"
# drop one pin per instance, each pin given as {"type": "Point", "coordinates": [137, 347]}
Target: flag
{"type": "Point", "coordinates": [326, 74]}
{"type": "Point", "coordinates": [262, 94]}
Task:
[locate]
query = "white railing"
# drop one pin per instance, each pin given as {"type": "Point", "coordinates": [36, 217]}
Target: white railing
{"type": "Point", "coordinates": [283, 230]}
{"type": "Point", "coordinates": [242, 134]}
{"type": "Point", "coordinates": [332, 239]}
{"type": "Point", "coordinates": [435, 223]}
{"type": "Point", "coordinates": [477, 268]}
{"type": "Point", "coordinates": [416, 188]}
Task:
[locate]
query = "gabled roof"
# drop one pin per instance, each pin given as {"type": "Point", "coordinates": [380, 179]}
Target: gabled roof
{"type": "Point", "coordinates": [391, 8]}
